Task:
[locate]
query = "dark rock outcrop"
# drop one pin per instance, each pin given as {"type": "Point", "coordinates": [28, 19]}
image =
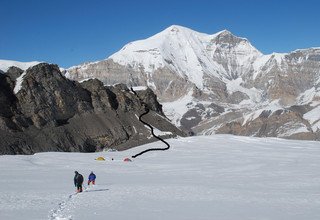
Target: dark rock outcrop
{"type": "Point", "coordinates": [51, 113]}
{"type": "Point", "coordinates": [13, 73]}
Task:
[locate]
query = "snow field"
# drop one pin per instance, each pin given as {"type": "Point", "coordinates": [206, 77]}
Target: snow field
{"type": "Point", "coordinates": [204, 177]}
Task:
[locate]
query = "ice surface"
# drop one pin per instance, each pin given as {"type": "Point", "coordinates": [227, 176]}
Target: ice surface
{"type": "Point", "coordinates": [207, 177]}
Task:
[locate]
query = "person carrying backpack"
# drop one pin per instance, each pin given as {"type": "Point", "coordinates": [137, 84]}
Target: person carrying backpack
{"type": "Point", "coordinates": [78, 181]}
{"type": "Point", "coordinates": [91, 178]}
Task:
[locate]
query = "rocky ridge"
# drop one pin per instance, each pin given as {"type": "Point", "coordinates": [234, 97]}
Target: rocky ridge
{"type": "Point", "coordinates": [42, 110]}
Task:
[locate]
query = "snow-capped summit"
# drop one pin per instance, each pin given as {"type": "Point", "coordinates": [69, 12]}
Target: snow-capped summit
{"type": "Point", "coordinates": [189, 53]}
{"type": "Point", "coordinates": [219, 82]}
{"type": "Point", "coordinates": [225, 36]}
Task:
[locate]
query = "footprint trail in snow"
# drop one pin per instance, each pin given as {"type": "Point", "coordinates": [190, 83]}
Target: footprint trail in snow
{"type": "Point", "coordinates": [66, 208]}
{"type": "Point", "coordinates": [56, 214]}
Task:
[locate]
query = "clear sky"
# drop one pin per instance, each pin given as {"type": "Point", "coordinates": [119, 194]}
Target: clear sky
{"type": "Point", "coordinates": [70, 32]}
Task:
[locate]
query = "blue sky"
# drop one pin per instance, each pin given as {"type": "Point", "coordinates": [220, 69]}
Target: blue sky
{"type": "Point", "coordinates": [70, 32]}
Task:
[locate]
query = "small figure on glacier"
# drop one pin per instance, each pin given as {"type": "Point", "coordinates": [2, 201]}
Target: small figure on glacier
{"type": "Point", "coordinates": [78, 181]}
{"type": "Point", "coordinates": [92, 178]}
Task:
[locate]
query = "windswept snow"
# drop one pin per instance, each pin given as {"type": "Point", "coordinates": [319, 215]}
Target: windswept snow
{"type": "Point", "coordinates": [5, 64]}
{"type": "Point", "coordinates": [157, 132]}
{"type": "Point", "coordinates": [279, 57]}
{"type": "Point", "coordinates": [291, 128]}
{"type": "Point", "coordinates": [235, 85]}
{"type": "Point", "coordinates": [307, 96]}
{"type": "Point", "coordinates": [175, 110]}
{"type": "Point", "coordinates": [207, 177]}
{"type": "Point", "coordinates": [313, 117]}
{"type": "Point", "coordinates": [272, 107]}
{"type": "Point", "coordinates": [139, 88]}
{"type": "Point", "coordinates": [18, 84]}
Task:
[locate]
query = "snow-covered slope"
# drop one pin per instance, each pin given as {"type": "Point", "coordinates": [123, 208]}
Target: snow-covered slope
{"type": "Point", "coordinates": [189, 54]}
{"type": "Point", "coordinates": [5, 64]}
{"type": "Point", "coordinates": [208, 177]}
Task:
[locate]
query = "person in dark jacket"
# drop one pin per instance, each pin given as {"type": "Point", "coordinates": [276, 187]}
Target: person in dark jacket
{"type": "Point", "coordinates": [91, 178]}
{"type": "Point", "coordinates": [78, 181]}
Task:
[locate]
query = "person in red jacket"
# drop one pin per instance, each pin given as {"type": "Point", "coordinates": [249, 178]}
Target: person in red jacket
{"type": "Point", "coordinates": [91, 178]}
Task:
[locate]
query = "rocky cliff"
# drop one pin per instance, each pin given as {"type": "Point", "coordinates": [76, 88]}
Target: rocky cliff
{"type": "Point", "coordinates": [41, 110]}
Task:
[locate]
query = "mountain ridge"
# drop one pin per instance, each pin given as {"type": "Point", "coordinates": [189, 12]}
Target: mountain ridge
{"type": "Point", "coordinates": [228, 86]}
{"type": "Point", "coordinates": [52, 113]}
{"type": "Point", "coordinates": [219, 83]}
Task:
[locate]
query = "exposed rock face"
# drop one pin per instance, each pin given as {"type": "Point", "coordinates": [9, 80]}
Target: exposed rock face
{"type": "Point", "coordinates": [223, 83]}
{"type": "Point", "coordinates": [44, 111]}
{"type": "Point", "coordinates": [6, 96]}
{"type": "Point", "coordinates": [267, 124]}
{"type": "Point", "coordinates": [13, 73]}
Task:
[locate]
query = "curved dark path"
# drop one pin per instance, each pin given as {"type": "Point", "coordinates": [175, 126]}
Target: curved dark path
{"type": "Point", "coordinates": [151, 128]}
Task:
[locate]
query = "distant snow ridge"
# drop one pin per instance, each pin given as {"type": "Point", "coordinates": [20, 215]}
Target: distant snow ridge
{"type": "Point", "coordinates": [6, 64]}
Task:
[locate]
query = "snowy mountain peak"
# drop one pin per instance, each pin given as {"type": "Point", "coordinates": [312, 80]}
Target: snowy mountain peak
{"type": "Point", "coordinates": [176, 28]}
{"type": "Point", "coordinates": [189, 53]}
{"type": "Point", "coordinates": [224, 32]}
{"type": "Point", "coordinates": [226, 36]}
{"type": "Point", "coordinates": [217, 79]}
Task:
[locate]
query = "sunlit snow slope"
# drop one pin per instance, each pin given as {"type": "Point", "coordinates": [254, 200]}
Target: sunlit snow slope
{"type": "Point", "coordinates": [208, 177]}
{"type": "Point", "coordinates": [6, 64]}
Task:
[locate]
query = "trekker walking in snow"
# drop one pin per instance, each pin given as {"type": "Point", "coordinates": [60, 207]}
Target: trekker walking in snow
{"type": "Point", "coordinates": [78, 180]}
{"type": "Point", "coordinates": [91, 178]}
